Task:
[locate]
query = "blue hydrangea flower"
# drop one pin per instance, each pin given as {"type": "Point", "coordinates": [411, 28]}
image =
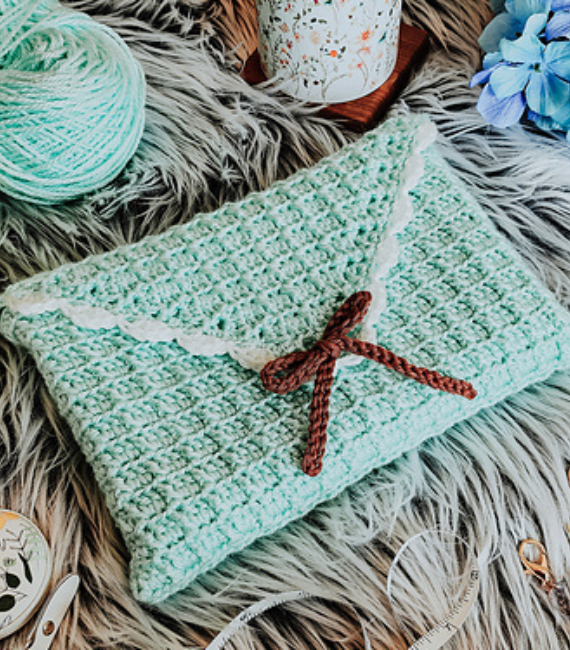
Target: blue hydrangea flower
{"type": "Point", "coordinates": [527, 68]}
{"type": "Point", "coordinates": [511, 23]}
{"type": "Point", "coordinates": [542, 71]}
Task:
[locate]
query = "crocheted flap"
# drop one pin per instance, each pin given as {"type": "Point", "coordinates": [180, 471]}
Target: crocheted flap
{"type": "Point", "coordinates": [257, 278]}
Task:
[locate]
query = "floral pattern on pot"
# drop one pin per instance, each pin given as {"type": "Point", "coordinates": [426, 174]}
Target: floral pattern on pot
{"type": "Point", "coordinates": [329, 50]}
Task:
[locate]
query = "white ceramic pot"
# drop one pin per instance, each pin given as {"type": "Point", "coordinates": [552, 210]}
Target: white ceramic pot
{"type": "Point", "coordinates": [329, 50]}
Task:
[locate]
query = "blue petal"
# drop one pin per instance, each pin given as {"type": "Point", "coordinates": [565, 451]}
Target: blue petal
{"type": "Point", "coordinates": [502, 26]}
{"type": "Point", "coordinates": [523, 9]}
{"type": "Point", "coordinates": [507, 80]}
{"type": "Point", "coordinates": [560, 5]}
{"type": "Point", "coordinates": [535, 24]}
{"type": "Point", "coordinates": [482, 77]}
{"type": "Point", "coordinates": [544, 123]}
{"type": "Point", "coordinates": [500, 112]}
{"type": "Point", "coordinates": [497, 5]}
{"type": "Point", "coordinates": [558, 26]}
{"type": "Point", "coordinates": [562, 116]}
{"type": "Point", "coordinates": [492, 59]}
{"type": "Point", "coordinates": [546, 93]}
{"type": "Point", "coordinates": [557, 59]}
{"type": "Point", "coordinates": [526, 49]}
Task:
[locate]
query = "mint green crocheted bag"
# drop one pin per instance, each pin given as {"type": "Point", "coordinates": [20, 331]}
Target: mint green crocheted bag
{"type": "Point", "coordinates": [152, 351]}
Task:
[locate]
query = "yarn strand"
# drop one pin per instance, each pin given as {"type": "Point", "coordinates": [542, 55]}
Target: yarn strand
{"type": "Point", "coordinates": [287, 373]}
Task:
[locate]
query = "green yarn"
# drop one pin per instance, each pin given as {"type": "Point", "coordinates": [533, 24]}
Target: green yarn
{"type": "Point", "coordinates": [71, 102]}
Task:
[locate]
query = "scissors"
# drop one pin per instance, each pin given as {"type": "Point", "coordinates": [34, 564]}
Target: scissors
{"type": "Point", "coordinates": [52, 614]}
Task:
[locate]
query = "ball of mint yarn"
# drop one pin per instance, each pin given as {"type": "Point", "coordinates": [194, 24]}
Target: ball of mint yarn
{"type": "Point", "coordinates": [71, 102]}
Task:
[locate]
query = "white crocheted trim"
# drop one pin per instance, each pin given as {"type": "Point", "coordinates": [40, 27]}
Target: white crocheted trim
{"type": "Point", "coordinates": [147, 330]}
{"type": "Point", "coordinates": [254, 358]}
{"type": "Point", "coordinates": [388, 252]}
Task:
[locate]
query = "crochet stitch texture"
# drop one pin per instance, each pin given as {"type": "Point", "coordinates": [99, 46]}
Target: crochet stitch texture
{"type": "Point", "coordinates": [151, 351]}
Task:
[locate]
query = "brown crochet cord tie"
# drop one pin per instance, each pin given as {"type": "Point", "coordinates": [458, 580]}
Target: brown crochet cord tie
{"type": "Point", "coordinates": [287, 373]}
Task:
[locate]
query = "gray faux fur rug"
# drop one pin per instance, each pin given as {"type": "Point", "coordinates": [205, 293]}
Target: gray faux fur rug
{"type": "Point", "coordinates": [493, 480]}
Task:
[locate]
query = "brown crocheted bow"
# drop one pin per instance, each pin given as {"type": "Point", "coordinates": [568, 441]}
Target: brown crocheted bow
{"type": "Point", "coordinates": [289, 372]}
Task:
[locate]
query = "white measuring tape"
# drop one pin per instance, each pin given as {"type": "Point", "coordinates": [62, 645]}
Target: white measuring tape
{"type": "Point", "coordinates": [432, 640]}
{"type": "Point", "coordinates": [442, 632]}
{"type": "Point", "coordinates": [262, 606]}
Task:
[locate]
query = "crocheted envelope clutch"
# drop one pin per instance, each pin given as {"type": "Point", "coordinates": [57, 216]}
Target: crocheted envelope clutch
{"type": "Point", "coordinates": [152, 351]}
